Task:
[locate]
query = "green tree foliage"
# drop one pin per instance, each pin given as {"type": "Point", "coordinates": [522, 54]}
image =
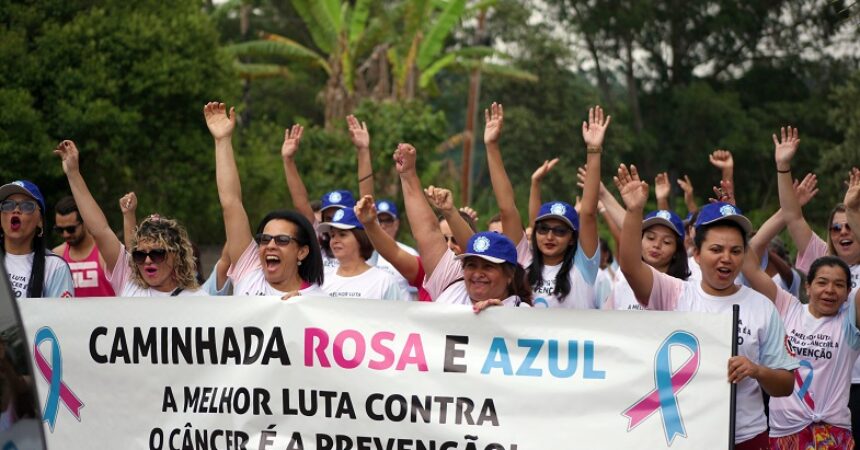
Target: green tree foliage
{"type": "Point", "coordinates": [127, 82]}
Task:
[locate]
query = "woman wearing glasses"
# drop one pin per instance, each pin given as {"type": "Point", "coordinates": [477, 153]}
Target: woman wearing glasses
{"type": "Point", "coordinates": [33, 271]}
{"type": "Point", "coordinates": [161, 261]}
{"type": "Point", "coordinates": [283, 258]}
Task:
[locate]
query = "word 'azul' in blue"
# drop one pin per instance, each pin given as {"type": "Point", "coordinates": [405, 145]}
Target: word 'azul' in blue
{"type": "Point", "coordinates": [498, 357]}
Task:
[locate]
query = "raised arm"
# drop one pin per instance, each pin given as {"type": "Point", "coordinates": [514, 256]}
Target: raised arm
{"type": "Point", "coordinates": [128, 206]}
{"type": "Point", "coordinates": [425, 227]}
{"type": "Point", "coordinates": [634, 192]}
{"type": "Point", "coordinates": [722, 159]}
{"type": "Point", "coordinates": [361, 140]}
{"type": "Point", "coordinates": [689, 198]}
{"type": "Point", "coordinates": [443, 200]}
{"type": "Point", "coordinates": [662, 188]}
{"type": "Point", "coordinates": [93, 216]}
{"type": "Point", "coordinates": [804, 190]}
{"type": "Point", "coordinates": [593, 133]}
{"type": "Point", "coordinates": [534, 191]}
{"type": "Point", "coordinates": [785, 148]}
{"type": "Point", "coordinates": [756, 277]}
{"type": "Point", "coordinates": [512, 223]}
{"type": "Point", "coordinates": [404, 262]}
{"type": "Point", "coordinates": [236, 223]}
{"type": "Point", "coordinates": [852, 212]}
{"type": "Point", "coordinates": [614, 211]}
{"type": "Point", "coordinates": [298, 192]}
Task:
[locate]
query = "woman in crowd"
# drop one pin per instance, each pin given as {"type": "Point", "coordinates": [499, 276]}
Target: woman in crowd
{"type": "Point", "coordinates": [485, 274]}
{"type": "Point", "coordinates": [283, 258]}
{"type": "Point", "coordinates": [161, 261]}
{"type": "Point", "coordinates": [721, 242]}
{"type": "Point", "coordinates": [33, 270]}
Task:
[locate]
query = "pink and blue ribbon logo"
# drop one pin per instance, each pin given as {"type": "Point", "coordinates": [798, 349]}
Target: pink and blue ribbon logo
{"type": "Point", "coordinates": [53, 374]}
{"type": "Point", "coordinates": [664, 396]}
{"type": "Point", "coordinates": [803, 384]}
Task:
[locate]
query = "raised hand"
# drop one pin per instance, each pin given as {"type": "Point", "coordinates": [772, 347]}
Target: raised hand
{"type": "Point", "coordinates": [494, 118]}
{"type": "Point", "coordinates": [470, 212]}
{"type": "Point", "coordinates": [785, 147]}
{"type": "Point", "coordinates": [358, 133]}
{"type": "Point", "coordinates": [220, 124]}
{"type": "Point", "coordinates": [128, 203]}
{"type": "Point", "coordinates": [365, 210]}
{"type": "Point", "coordinates": [633, 191]}
{"type": "Point", "coordinates": [440, 198]}
{"type": "Point", "coordinates": [544, 169]}
{"type": "Point", "coordinates": [722, 159]}
{"type": "Point", "coordinates": [404, 158]}
{"type": "Point", "coordinates": [852, 196]}
{"type": "Point", "coordinates": [662, 186]}
{"type": "Point", "coordinates": [292, 138]}
{"type": "Point", "coordinates": [725, 193]}
{"type": "Point", "coordinates": [68, 152]}
{"type": "Point", "coordinates": [805, 190]}
{"type": "Point", "coordinates": [594, 130]}
{"type": "Point", "coordinates": [686, 185]}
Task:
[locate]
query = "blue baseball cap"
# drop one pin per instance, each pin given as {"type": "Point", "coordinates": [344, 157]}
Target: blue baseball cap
{"type": "Point", "coordinates": [561, 211]}
{"type": "Point", "coordinates": [386, 207]}
{"type": "Point", "coordinates": [337, 199]}
{"type": "Point", "coordinates": [343, 219]}
{"type": "Point", "coordinates": [666, 218]}
{"type": "Point", "coordinates": [494, 247]}
{"type": "Point", "coordinates": [23, 187]}
{"type": "Point", "coordinates": [716, 212]}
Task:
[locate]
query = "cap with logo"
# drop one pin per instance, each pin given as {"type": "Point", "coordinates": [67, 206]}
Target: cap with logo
{"type": "Point", "coordinates": [343, 219]}
{"type": "Point", "coordinates": [23, 187]}
{"type": "Point", "coordinates": [561, 211]}
{"type": "Point", "coordinates": [666, 218]}
{"type": "Point", "coordinates": [337, 199]}
{"type": "Point", "coordinates": [717, 212]}
{"type": "Point", "coordinates": [494, 247]}
{"type": "Point", "coordinates": [386, 207]}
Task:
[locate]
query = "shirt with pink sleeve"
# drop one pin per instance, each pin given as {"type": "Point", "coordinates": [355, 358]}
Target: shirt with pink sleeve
{"type": "Point", "coordinates": [582, 277]}
{"type": "Point", "coordinates": [827, 348]}
{"type": "Point", "coordinates": [760, 337]}
{"type": "Point", "coordinates": [446, 285]}
{"type": "Point", "coordinates": [249, 280]}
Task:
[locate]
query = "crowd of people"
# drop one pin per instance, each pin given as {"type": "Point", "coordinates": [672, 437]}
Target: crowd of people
{"type": "Point", "coordinates": [343, 247]}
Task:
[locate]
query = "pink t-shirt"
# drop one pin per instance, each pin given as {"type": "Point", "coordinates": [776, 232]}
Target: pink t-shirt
{"type": "Point", "coordinates": [760, 337]}
{"type": "Point", "coordinates": [827, 348]}
{"type": "Point", "coordinates": [445, 284]}
{"type": "Point", "coordinates": [249, 280]}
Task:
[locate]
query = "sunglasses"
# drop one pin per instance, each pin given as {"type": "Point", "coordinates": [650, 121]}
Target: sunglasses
{"type": "Point", "coordinates": [69, 229]}
{"type": "Point", "coordinates": [281, 239]}
{"type": "Point", "coordinates": [26, 206]}
{"type": "Point", "coordinates": [156, 255]}
{"type": "Point", "coordinates": [543, 229]}
{"type": "Point", "coordinates": [837, 227]}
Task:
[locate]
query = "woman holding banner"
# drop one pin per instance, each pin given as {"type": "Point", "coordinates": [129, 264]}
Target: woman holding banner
{"type": "Point", "coordinates": [721, 242]}
{"type": "Point", "coordinates": [161, 261]}
{"type": "Point", "coordinates": [485, 274]}
{"type": "Point", "coordinates": [283, 258]}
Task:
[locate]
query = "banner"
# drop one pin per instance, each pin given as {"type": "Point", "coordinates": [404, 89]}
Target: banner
{"type": "Point", "coordinates": [340, 374]}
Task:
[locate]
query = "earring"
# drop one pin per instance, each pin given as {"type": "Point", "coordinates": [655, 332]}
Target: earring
{"type": "Point", "coordinates": [299, 263]}
{"type": "Point", "coordinates": [41, 231]}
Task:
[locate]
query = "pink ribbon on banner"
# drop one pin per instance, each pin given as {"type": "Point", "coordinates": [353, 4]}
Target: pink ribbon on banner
{"type": "Point", "coordinates": [58, 390]}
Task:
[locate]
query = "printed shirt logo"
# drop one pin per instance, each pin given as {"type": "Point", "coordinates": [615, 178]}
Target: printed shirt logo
{"type": "Point", "coordinates": [663, 214]}
{"type": "Point", "coordinates": [384, 206]}
{"type": "Point", "coordinates": [727, 210]}
{"type": "Point", "coordinates": [558, 209]}
{"type": "Point", "coordinates": [335, 197]}
{"type": "Point", "coordinates": [337, 215]}
{"type": "Point", "coordinates": [481, 244]}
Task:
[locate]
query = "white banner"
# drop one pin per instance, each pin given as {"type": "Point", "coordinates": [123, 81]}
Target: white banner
{"type": "Point", "coordinates": [260, 373]}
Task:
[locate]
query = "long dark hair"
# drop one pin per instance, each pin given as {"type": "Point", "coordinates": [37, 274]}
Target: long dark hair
{"type": "Point", "coordinates": [519, 284]}
{"type": "Point", "coordinates": [36, 284]}
{"type": "Point", "coordinates": [679, 266]}
{"type": "Point", "coordinates": [562, 279]}
{"type": "Point", "coordinates": [311, 268]}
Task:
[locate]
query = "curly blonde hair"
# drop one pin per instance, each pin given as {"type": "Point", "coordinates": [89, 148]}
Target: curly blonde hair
{"type": "Point", "coordinates": [170, 235]}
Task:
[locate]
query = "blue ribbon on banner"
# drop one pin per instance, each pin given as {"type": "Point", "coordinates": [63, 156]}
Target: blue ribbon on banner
{"type": "Point", "coordinates": [53, 374]}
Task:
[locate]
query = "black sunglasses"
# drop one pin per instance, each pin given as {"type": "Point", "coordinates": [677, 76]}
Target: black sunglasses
{"type": "Point", "coordinates": [557, 231]}
{"type": "Point", "coordinates": [837, 227]}
{"type": "Point", "coordinates": [26, 206]}
{"type": "Point", "coordinates": [155, 255]}
{"type": "Point", "coordinates": [280, 239]}
{"type": "Point", "coordinates": [69, 229]}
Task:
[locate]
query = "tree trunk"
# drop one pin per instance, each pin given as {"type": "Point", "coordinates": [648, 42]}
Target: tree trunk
{"type": "Point", "coordinates": [471, 118]}
{"type": "Point", "coordinates": [244, 27]}
{"type": "Point", "coordinates": [632, 88]}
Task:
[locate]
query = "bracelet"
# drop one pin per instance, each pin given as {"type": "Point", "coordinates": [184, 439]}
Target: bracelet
{"type": "Point", "coordinates": [365, 177]}
{"type": "Point", "coordinates": [783, 171]}
{"type": "Point", "coordinates": [593, 149]}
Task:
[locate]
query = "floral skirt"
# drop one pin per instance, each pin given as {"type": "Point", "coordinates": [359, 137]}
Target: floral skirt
{"type": "Point", "coordinates": [818, 436]}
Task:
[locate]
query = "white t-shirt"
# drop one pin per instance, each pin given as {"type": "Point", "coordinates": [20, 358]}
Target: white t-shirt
{"type": "Point", "coordinates": [604, 284]}
{"type": "Point", "coordinates": [622, 296]}
{"type": "Point", "coordinates": [582, 277]}
{"type": "Point", "coordinates": [248, 278]}
{"type": "Point", "coordinates": [58, 277]}
{"type": "Point", "coordinates": [211, 284]}
{"type": "Point", "coordinates": [760, 338]}
{"type": "Point", "coordinates": [120, 280]}
{"type": "Point", "coordinates": [827, 348]}
{"type": "Point", "coordinates": [381, 263]}
{"type": "Point", "coordinates": [372, 283]}
{"type": "Point", "coordinates": [445, 284]}
{"type": "Point", "coordinates": [794, 289]}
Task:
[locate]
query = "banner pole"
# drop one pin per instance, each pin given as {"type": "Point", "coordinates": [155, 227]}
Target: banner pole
{"type": "Point", "coordinates": [733, 389]}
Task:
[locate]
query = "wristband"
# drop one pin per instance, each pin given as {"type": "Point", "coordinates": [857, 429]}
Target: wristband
{"type": "Point", "coordinates": [784, 171]}
{"type": "Point", "coordinates": [365, 177]}
{"type": "Point", "coordinates": [593, 149]}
